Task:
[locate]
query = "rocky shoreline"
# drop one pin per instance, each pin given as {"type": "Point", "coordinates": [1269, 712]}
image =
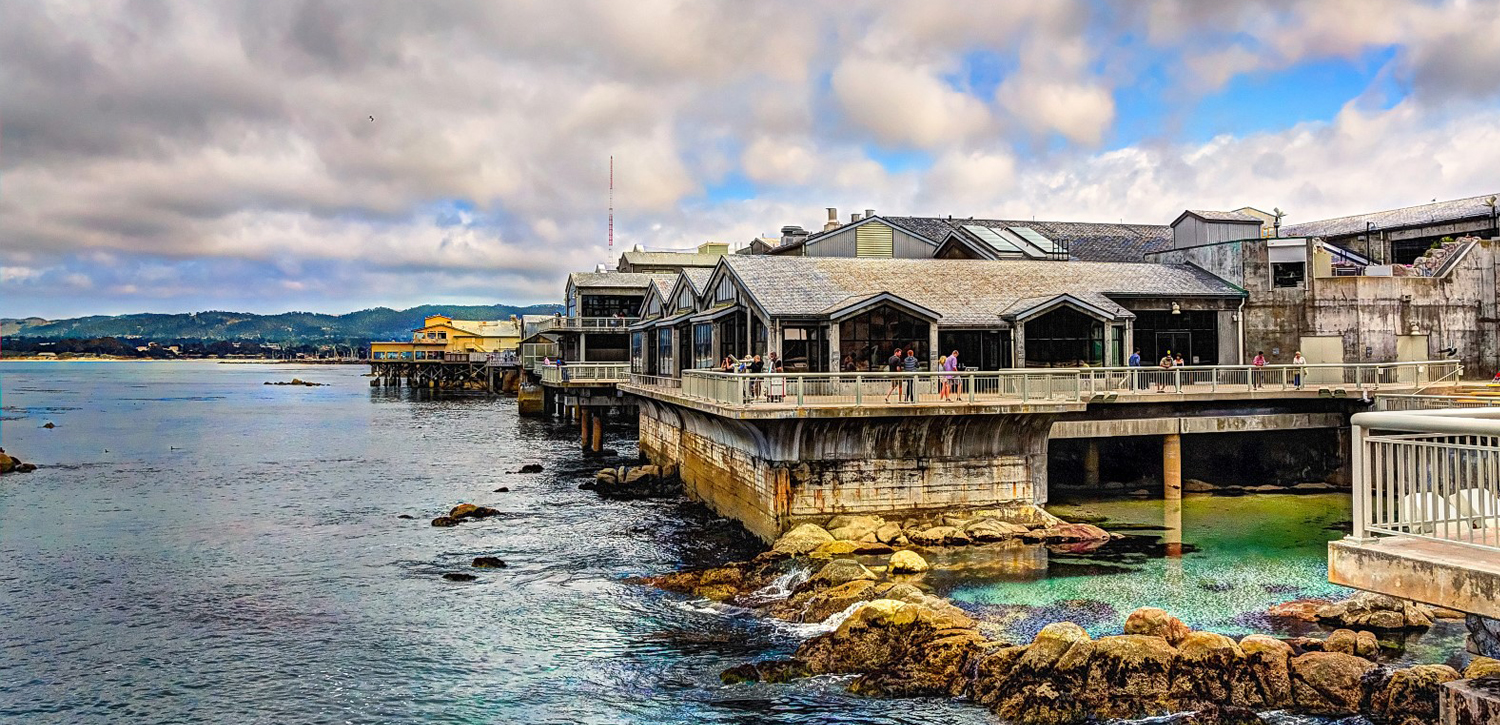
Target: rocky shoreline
{"type": "Point", "coordinates": [862, 578]}
{"type": "Point", "coordinates": [11, 464]}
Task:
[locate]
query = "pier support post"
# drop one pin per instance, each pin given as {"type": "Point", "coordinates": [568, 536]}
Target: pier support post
{"type": "Point", "coordinates": [1091, 464]}
{"type": "Point", "coordinates": [598, 442]}
{"type": "Point", "coordinates": [583, 425]}
{"type": "Point", "coordinates": [1171, 465]}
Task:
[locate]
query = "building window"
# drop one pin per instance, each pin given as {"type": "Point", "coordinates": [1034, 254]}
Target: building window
{"type": "Point", "coordinates": [703, 346]}
{"type": "Point", "coordinates": [1064, 337]}
{"type": "Point", "coordinates": [637, 352]}
{"type": "Point", "coordinates": [1288, 274]}
{"type": "Point", "coordinates": [664, 352]}
{"type": "Point", "coordinates": [868, 339]}
{"type": "Point", "coordinates": [627, 306]}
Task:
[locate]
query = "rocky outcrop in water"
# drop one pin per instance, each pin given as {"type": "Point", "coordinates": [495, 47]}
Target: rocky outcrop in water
{"type": "Point", "coordinates": [1367, 610]}
{"type": "Point", "coordinates": [298, 381]}
{"type": "Point", "coordinates": [11, 464]}
{"type": "Point", "coordinates": [463, 511]}
{"type": "Point", "coordinates": [634, 482]}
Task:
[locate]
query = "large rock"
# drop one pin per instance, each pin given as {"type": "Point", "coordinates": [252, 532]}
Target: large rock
{"type": "Point", "coordinates": [803, 539]}
{"type": "Point", "coordinates": [834, 549]}
{"type": "Point", "coordinates": [1302, 610]}
{"type": "Point", "coordinates": [1482, 667]}
{"type": "Point", "coordinates": [1212, 669]}
{"type": "Point", "coordinates": [907, 562]}
{"type": "Point", "coordinates": [907, 649]}
{"type": "Point", "coordinates": [1155, 622]}
{"type": "Point", "coordinates": [1044, 684]}
{"type": "Point", "coordinates": [1068, 533]}
{"type": "Point", "coordinates": [853, 528]}
{"type": "Point", "coordinates": [1129, 676]}
{"type": "Point", "coordinates": [1367, 610]}
{"type": "Point", "coordinates": [1328, 683]}
{"type": "Point", "coordinates": [888, 532]}
{"type": "Point", "coordinates": [831, 601]}
{"type": "Point", "coordinates": [840, 571]}
{"type": "Point", "coordinates": [1410, 696]}
{"type": "Point", "coordinates": [937, 536]}
{"type": "Point", "coordinates": [1269, 660]}
{"type": "Point", "coordinates": [986, 530]}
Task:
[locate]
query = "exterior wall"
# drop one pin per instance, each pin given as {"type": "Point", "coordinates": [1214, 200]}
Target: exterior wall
{"type": "Point", "coordinates": [771, 475]}
{"type": "Point", "coordinates": [841, 243]}
{"type": "Point", "coordinates": [1192, 232]}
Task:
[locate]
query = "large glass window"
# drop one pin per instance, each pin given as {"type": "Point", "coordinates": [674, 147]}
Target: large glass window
{"type": "Point", "coordinates": [1194, 334]}
{"type": "Point", "coordinates": [611, 305]}
{"type": "Point", "coordinates": [664, 352]}
{"type": "Point", "coordinates": [703, 346]}
{"type": "Point", "coordinates": [1064, 337]}
{"type": "Point", "coordinates": [638, 352]}
{"type": "Point", "coordinates": [868, 339]}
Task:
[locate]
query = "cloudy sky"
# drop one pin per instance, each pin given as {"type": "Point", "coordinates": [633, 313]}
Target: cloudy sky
{"type": "Point", "coordinates": [176, 156]}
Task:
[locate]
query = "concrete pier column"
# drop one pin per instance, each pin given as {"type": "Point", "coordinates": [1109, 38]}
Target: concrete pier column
{"type": "Point", "coordinates": [598, 442]}
{"type": "Point", "coordinates": [583, 425]}
{"type": "Point", "coordinates": [1091, 464]}
{"type": "Point", "coordinates": [1171, 465]}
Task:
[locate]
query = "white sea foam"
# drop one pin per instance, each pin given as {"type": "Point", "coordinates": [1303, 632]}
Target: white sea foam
{"type": "Point", "coordinates": [780, 588]}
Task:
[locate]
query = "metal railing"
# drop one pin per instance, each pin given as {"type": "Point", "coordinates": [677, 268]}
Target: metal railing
{"type": "Point", "coordinates": [533, 353]}
{"type": "Point", "coordinates": [1398, 402]}
{"type": "Point", "coordinates": [587, 324]}
{"type": "Point", "coordinates": [1046, 384]}
{"type": "Point", "coordinates": [1432, 474]}
{"type": "Point", "coordinates": [602, 373]}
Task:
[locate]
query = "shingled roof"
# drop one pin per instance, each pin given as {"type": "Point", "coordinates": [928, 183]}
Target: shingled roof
{"type": "Point", "coordinates": [1409, 216]}
{"type": "Point", "coordinates": [669, 259]}
{"type": "Point", "coordinates": [964, 292]}
{"type": "Point", "coordinates": [620, 280]}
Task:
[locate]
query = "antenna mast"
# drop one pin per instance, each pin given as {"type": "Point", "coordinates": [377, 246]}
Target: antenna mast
{"type": "Point", "coordinates": [611, 206]}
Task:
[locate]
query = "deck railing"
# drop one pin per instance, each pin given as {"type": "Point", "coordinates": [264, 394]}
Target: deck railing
{"type": "Point", "coordinates": [1432, 474]}
{"type": "Point", "coordinates": [1048, 384]}
{"type": "Point", "coordinates": [1399, 402]}
{"type": "Point", "coordinates": [587, 324]}
{"type": "Point", "coordinates": [580, 372]}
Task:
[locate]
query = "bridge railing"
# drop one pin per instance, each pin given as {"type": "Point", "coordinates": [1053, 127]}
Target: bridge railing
{"type": "Point", "coordinates": [580, 372]}
{"type": "Point", "coordinates": [1431, 474]}
{"type": "Point", "coordinates": [1024, 385]}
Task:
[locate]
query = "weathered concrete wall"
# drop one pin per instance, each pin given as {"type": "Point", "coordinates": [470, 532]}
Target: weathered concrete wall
{"type": "Point", "coordinates": [1433, 572]}
{"type": "Point", "coordinates": [773, 474]}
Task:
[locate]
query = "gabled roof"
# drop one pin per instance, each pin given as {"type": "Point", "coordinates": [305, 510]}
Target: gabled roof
{"type": "Point", "coordinates": [1093, 303]}
{"type": "Point", "coordinates": [855, 304]}
{"type": "Point", "coordinates": [1233, 217]}
{"type": "Point", "coordinates": [615, 280]}
{"type": "Point", "coordinates": [698, 278]}
{"type": "Point", "coordinates": [964, 292]}
{"type": "Point", "coordinates": [669, 259]}
{"type": "Point", "coordinates": [1410, 216]}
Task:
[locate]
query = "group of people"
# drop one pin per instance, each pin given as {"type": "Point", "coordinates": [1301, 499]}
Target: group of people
{"type": "Point", "coordinates": [1257, 377]}
{"type": "Point", "coordinates": [751, 364]}
{"type": "Point", "coordinates": [907, 386]}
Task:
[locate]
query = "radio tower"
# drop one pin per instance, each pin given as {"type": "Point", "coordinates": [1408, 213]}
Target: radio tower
{"type": "Point", "coordinates": [611, 206]}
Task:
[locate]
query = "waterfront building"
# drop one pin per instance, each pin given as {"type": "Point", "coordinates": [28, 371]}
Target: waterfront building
{"type": "Point", "coordinates": [639, 259]}
{"type": "Point", "coordinates": [1400, 236]}
{"type": "Point", "coordinates": [823, 314]}
{"type": "Point", "coordinates": [440, 335]}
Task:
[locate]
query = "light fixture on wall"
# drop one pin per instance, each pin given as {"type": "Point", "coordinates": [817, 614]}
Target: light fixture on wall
{"type": "Point", "coordinates": [1176, 308]}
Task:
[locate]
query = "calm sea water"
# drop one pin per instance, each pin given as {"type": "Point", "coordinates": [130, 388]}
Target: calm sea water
{"type": "Point", "coordinates": [199, 547]}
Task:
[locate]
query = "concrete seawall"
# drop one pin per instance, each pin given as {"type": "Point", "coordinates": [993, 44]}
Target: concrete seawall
{"type": "Point", "coordinates": [773, 474]}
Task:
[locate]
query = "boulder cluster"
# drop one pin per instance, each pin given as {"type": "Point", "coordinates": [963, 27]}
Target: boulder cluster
{"type": "Point", "coordinates": [842, 535]}
{"type": "Point", "coordinates": [1157, 666]}
{"type": "Point", "coordinates": [298, 381]}
{"type": "Point", "coordinates": [631, 482]}
{"type": "Point", "coordinates": [463, 511]}
{"type": "Point", "coordinates": [1365, 610]}
{"type": "Point", "coordinates": [11, 464]}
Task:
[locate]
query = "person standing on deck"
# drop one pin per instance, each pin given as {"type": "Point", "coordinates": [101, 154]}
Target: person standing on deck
{"type": "Point", "coordinates": [1257, 376]}
{"type": "Point", "coordinates": [756, 367]}
{"type": "Point", "coordinates": [1134, 375]}
{"type": "Point", "coordinates": [1299, 361]}
{"type": "Point", "coordinates": [894, 364]}
{"type": "Point", "coordinates": [955, 383]}
{"type": "Point", "coordinates": [1161, 378]}
{"type": "Point", "coordinates": [909, 364]}
{"type": "Point", "coordinates": [943, 382]}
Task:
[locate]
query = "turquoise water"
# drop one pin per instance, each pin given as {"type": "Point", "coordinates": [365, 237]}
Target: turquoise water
{"type": "Point", "coordinates": [1238, 556]}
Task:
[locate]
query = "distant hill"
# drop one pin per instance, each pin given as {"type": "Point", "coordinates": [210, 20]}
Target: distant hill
{"type": "Point", "coordinates": [380, 323]}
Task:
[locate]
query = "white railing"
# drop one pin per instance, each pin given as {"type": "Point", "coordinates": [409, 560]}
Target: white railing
{"type": "Point", "coordinates": [1431, 474]}
{"type": "Point", "coordinates": [602, 373]}
{"type": "Point", "coordinates": [1398, 402]}
{"type": "Point", "coordinates": [1051, 384]}
{"type": "Point", "coordinates": [587, 324]}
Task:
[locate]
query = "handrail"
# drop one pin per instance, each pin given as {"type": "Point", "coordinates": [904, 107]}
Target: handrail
{"type": "Point", "coordinates": [1429, 474]}
{"type": "Point", "coordinates": [586, 323]}
{"type": "Point", "coordinates": [582, 372]}
{"type": "Point", "coordinates": [1072, 384]}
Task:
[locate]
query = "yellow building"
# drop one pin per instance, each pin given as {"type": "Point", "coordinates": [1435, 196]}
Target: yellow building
{"type": "Point", "coordinates": [440, 334]}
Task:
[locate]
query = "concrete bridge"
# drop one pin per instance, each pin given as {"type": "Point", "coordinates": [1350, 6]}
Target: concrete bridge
{"type": "Point", "coordinates": [774, 450]}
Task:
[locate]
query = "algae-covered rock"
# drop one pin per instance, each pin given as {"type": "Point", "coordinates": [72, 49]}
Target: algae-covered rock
{"type": "Point", "coordinates": [1482, 667]}
{"type": "Point", "coordinates": [1269, 660]}
{"type": "Point", "coordinates": [1410, 696]}
{"type": "Point", "coordinates": [1368, 610]}
{"type": "Point", "coordinates": [853, 528]}
{"type": "Point", "coordinates": [840, 571]}
{"type": "Point", "coordinates": [1328, 683]}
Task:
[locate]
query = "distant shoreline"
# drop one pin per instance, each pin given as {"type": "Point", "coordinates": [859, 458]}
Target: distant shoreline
{"type": "Point", "coordinates": [265, 361]}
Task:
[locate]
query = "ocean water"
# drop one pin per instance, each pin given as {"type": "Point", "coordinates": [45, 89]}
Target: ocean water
{"type": "Point", "coordinates": [200, 547]}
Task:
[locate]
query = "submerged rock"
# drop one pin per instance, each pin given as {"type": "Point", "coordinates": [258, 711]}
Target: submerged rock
{"type": "Point", "coordinates": [488, 562]}
{"type": "Point", "coordinates": [1302, 610]}
{"type": "Point", "coordinates": [406, 516]}
{"type": "Point", "coordinates": [531, 468]}
{"type": "Point", "coordinates": [454, 576]}
{"type": "Point", "coordinates": [444, 521]}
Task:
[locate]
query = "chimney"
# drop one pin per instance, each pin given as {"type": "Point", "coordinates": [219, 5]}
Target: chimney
{"type": "Point", "coordinates": [792, 233]}
{"type": "Point", "coordinates": [833, 219]}
{"type": "Point", "coordinates": [869, 213]}
{"type": "Point", "coordinates": [854, 217]}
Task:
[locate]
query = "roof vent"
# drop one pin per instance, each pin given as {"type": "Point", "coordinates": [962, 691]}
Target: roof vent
{"type": "Point", "coordinates": [833, 219]}
{"type": "Point", "coordinates": [638, 248]}
{"type": "Point", "coordinates": [854, 217]}
{"type": "Point", "coordinates": [869, 213]}
{"type": "Point", "coordinates": [600, 268]}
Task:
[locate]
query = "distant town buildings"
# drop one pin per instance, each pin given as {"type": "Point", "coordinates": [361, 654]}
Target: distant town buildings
{"type": "Point", "coordinates": [440, 335]}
